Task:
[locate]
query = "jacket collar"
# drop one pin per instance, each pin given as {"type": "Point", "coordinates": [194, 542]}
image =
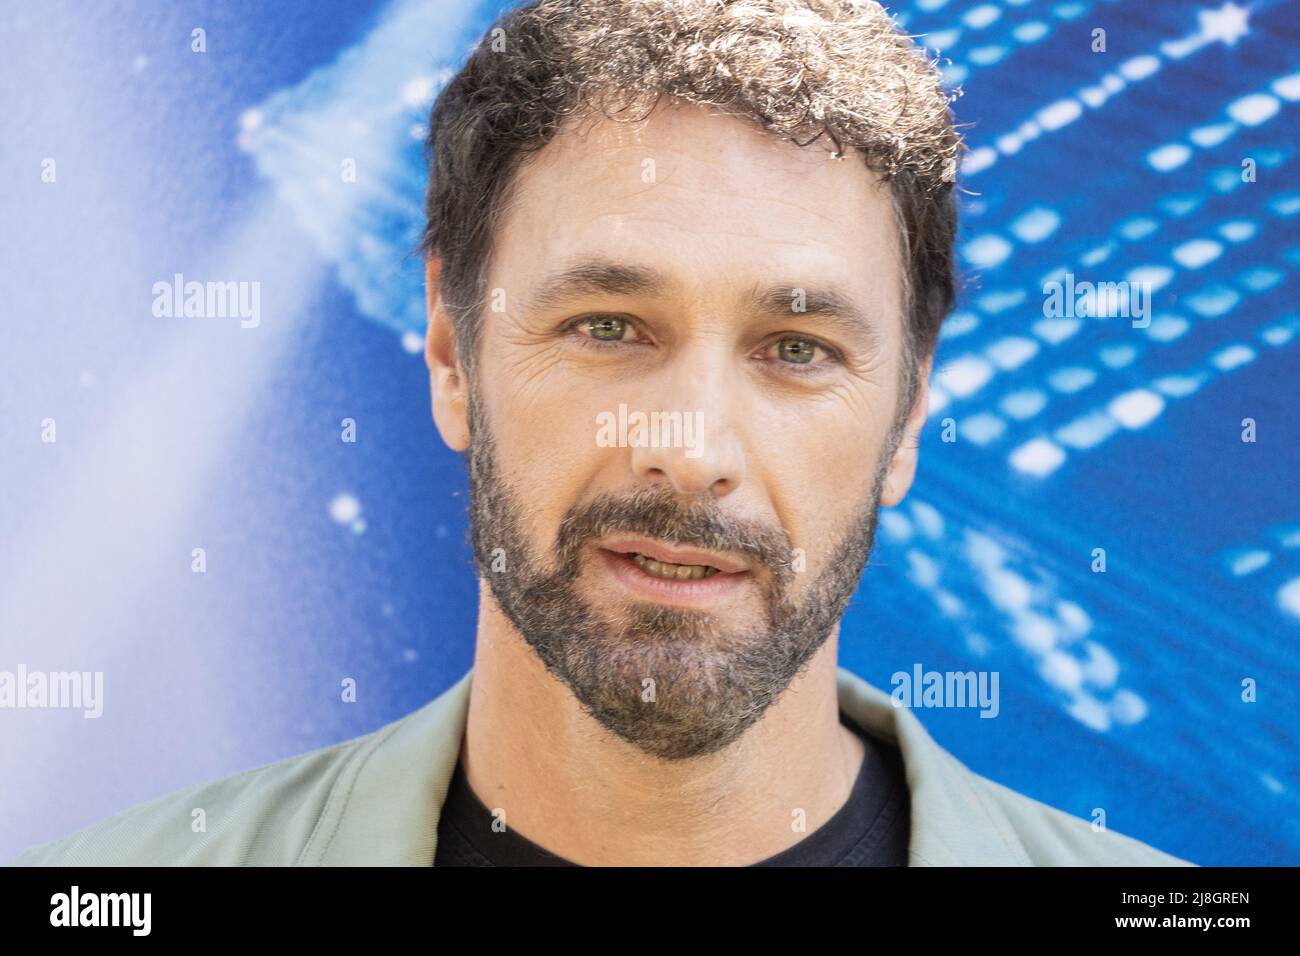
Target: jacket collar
{"type": "Point", "coordinates": [384, 807]}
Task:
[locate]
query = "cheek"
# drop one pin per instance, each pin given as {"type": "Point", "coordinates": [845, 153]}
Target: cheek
{"type": "Point", "coordinates": [819, 469]}
{"type": "Point", "coordinates": [545, 432]}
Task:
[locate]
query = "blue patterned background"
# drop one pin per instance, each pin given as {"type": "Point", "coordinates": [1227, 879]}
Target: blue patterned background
{"type": "Point", "coordinates": [1120, 690]}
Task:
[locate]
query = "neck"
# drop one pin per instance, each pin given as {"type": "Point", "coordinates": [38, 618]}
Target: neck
{"type": "Point", "coordinates": [579, 791]}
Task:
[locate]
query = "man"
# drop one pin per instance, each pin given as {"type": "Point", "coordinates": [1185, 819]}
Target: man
{"type": "Point", "coordinates": [631, 220]}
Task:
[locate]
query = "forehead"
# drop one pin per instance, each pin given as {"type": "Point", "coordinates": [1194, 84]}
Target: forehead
{"type": "Point", "coordinates": [709, 200]}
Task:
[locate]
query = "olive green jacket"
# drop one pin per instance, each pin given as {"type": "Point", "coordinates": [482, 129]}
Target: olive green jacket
{"type": "Point", "coordinates": [375, 800]}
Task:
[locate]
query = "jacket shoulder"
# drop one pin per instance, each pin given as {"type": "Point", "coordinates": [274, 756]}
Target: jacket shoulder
{"type": "Point", "coordinates": [263, 816]}
{"type": "Point", "coordinates": [1052, 837]}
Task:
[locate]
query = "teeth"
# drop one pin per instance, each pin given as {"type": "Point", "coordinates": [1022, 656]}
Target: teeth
{"type": "Point", "coordinates": [675, 572]}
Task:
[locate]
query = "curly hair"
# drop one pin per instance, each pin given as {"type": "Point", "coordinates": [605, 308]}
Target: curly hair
{"type": "Point", "coordinates": [800, 69]}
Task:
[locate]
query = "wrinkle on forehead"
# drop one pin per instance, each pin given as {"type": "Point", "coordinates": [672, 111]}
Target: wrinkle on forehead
{"type": "Point", "coordinates": [725, 197]}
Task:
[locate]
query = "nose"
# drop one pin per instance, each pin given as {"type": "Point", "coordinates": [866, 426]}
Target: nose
{"type": "Point", "coordinates": [699, 449]}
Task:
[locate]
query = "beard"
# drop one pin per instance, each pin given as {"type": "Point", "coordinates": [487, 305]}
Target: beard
{"type": "Point", "coordinates": [675, 683]}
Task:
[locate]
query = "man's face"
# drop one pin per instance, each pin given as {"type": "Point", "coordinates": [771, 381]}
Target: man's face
{"type": "Point", "coordinates": [754, 291]}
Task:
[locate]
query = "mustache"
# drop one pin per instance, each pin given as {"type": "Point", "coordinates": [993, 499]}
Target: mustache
{"type": "Point", "coordinates": [656, 512]}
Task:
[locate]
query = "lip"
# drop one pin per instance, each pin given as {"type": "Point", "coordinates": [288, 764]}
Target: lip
{"type": "Point", "coordinates": [674, 555]}
{"type": "Point", "coordinates": [699, 592]}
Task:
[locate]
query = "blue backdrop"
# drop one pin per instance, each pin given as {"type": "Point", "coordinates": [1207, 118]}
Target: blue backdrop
{"type": "Point", "coordinates": [1120, 690]}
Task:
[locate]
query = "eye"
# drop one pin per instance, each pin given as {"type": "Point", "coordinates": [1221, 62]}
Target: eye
{"type": "Point", "coordinates": [797, 350]}
{"type": "Point", "coordinates": [606, 328]}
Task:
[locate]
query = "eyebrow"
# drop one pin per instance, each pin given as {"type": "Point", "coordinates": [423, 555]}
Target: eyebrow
{"type": "Point", "coordinates": [597, 276]}
{"type": "Point", "coordinates": [827, 302]}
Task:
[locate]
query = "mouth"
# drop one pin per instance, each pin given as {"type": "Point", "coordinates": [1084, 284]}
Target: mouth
{"type": "Point", "coordinates": [669, 574]}
{"type": "Point", "coordinates": [669, 571]}
{"type": "Point", "coordinates": [648, 552]}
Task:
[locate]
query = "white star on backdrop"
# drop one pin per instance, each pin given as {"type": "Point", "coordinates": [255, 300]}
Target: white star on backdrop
{"type": "Point", "coordinates": [1228, 23]}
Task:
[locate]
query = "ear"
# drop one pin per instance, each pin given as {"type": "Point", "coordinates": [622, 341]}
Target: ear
{"type": "Point", "coordinates": [902, 469]}
{"type": "Point", "coordinates": [448, 386]}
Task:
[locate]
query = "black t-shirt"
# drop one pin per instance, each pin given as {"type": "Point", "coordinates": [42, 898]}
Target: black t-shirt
{"type": "Point", "coordinates": [871, 829]}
